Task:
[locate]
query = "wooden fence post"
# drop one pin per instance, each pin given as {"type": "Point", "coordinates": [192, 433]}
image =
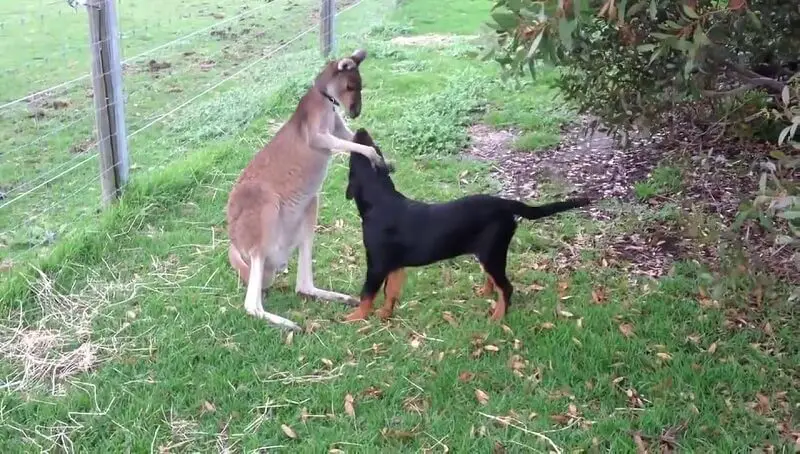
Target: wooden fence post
{"type": "Point", "coordinates": [326, 17]}
{"type": "Point", "coordinates": [112, 142]}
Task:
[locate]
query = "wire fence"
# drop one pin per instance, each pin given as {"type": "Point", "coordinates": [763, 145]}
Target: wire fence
{"type": "Point", "coordinates": [52, 139]}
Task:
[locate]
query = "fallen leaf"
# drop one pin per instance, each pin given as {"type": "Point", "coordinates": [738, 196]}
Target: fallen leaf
{"type": "Point", "coordinates": [547, 325]}
{"type": "Point", "coordinates": [482, 397]}
{"type": "Point", "coordinates": [373, 392]}
{"type": "Point", "coordinates": [289, 432]}
{"type": "Point", "coordinates": [348, 406]}
{"type": "Point", "coordinates": [335, 451]}
{"type": "Point", "coordinates": [290, 338]}
{"type": "Point", "coordinates": [641, 448]}
{"type": "Point", "coordinates": [311, 327]}
{"type": "Point", "coordinates": [572, 410]}
{"type": "Point", "coordinates": [712, 348]}
{"type": "Point", "coordinates": [465, 376]}
{"type": "Point", "coordinates": [768, 330]}
{"type": "Point", "coordinates": [498, 448]}
{"type": "Point", "coordinates": [328, 363]}
{"type": "Point", "coordinates": [664, 356]}
{"type": "Point", "coordinates": [561, 419]}
{"type": "Point", "coordinates": [566, 314]}
{"type": "Point", "coordinates": [599, 295]}
{"type": "Point", "coordinates": [507, 330]}
{"type": "Point", "coordinates": [208, 407]}
{"type": "Point", "coordinates": [626, 329]}
{"type": "Point", "coordinates": [491, 348]}
{"type": "Point", "coordinates": [517, 344]}
{"type": "Point", "coordinates": [415, 342]}
{"type": "Point", "coordinates": [448, 317]}
{"type": "Point", "coordinates": [762, 404]}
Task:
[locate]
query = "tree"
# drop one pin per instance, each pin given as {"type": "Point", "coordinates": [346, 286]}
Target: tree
{"type": "Point", "coordinates": [631, 62]}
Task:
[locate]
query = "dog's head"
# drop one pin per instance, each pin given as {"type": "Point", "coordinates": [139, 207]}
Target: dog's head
{"type": "Point", "coordinates": [363, 174]}
{"type": "Point", "coordinates": [341, 82]}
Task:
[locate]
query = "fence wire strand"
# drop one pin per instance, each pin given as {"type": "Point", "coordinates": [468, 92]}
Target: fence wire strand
{"type": "Point", "coordinates": [89, 153]}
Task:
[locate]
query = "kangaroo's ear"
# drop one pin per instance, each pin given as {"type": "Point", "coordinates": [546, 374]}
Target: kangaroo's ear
{"type": "Point", "coordinates": [359, 56]}
{"type": "Point", "coordinates": [346, 64]}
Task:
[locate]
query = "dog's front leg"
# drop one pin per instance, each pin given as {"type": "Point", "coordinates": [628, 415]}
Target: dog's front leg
{"type": "Point", "coordinates": [335, 144]}
{"type": "Point", "coordinates": [305, 276]}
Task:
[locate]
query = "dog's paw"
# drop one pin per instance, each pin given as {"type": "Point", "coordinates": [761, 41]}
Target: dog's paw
{"type": "Point", "coordinates": [355, 316]}
{"type": "Point", "coordinates": [383, 314]}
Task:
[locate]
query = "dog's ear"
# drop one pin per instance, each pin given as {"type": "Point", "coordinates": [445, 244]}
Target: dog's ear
{"type": "Point", "coordinates": [359, 56]}
{"type": "Point", "coordinates": [361, 136]}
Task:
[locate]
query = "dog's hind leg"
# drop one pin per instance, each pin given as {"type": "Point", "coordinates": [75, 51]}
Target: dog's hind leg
{"type": "Point", "coordinates": [493, 257]}
{"type": "Point", "coordinates": [391, 293]}
{"type": "Point", "coordinates": [305, 277]}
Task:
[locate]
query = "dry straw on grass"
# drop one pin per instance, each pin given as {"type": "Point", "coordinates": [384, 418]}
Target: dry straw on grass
{"type": "Point", "coordinates": [59, 344]}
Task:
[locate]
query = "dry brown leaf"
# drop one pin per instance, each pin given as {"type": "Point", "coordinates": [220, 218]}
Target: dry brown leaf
{"type": "Point", "coordinates": [498, 448]}
{"type": "Point", "coordinates": [768, 329]}
{"type": "Point", "coordinates": [762, 404]}
{"type": "Point", "coordinates": [566, 314]}
{"type": "Point", "coordinates": [626, 329]}
{"type": "Point", "coordinates": [507, 329]}
{"type": "Point", "coordinates": [712, 348]}
{"type": "Point", "coordinates": [664, 356]}
{"type": "Point", "coordinates": [599, 295]}
{"type": "Point", "coordinates": [491, 348]}
{"type": "Point", "coordinates": [641, 448]}
{"type": "Point", "coordinates": [482, 397]}
{"type": "Point", "coordinates": [311, 327]}
{"type": "Point", "coordinates": [290, 338]}
{"type": "Point", "coordinates": [547, 325]}
{"type": "Point", "coordinates": [465, 376]}
{"type": "Point", "coordinates": [328, 363]}
{"type": "Point", "coordinates": [448, 317]}
{"type": "Point", "coordinates": [349, 408]}
{"type": "Point", "coordinates": [416, 341]}
{"type": "Point", "coordinates": [535, 288]}
{"type": "Point", "coordinates": [373, 392]}
{"type": "Point", "coordinates": [335, 451]}
{"type": "Point", "coordinates": [517, 344]}
{"type": "Point", "coordinates": [561, 419]}
{"type": "Point", "coordinates": [289, 432]}
{"type": "Point", "coordinates": [572, 410]}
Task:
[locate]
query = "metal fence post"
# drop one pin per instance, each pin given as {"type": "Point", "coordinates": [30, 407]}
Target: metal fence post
{"type": "Point", "coordinates": [108, 101]}
{"type": "Point", "coordinates": [327, 11]}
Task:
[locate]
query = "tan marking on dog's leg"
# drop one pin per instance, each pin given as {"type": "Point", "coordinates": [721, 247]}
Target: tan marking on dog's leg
{"type": "Point", "coordinates": [363, 310]}
{"type": "Point", "coordinates": [499, 307]}
{"type": "Point", "coordinates": [391, 292]}
{"type": "Point", "coordinates": [488, 286]}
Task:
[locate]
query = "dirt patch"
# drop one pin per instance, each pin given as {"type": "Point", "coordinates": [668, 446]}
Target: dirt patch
{"type": "Point", "coordinates": [431, 40]}
{"type": "Point", "coordinates": [82, 146]}
{"type": "Point", "coordinates": [595, 165]}
{"type": "Point", "coordinates": [592, 165]}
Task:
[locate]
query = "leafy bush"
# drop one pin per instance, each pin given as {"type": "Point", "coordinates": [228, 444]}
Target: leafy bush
{"type": "Point", "coordinates": [634, 63]}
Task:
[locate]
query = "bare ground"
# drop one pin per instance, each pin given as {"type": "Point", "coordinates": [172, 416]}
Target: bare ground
{"type": "Point", "coordinates": [714, 183]}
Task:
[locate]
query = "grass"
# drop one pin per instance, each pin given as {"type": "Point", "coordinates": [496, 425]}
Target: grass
{"type": "Point", "coordinates": [135, 338]}
{"type": "Point", "coordinates": [664, 180]}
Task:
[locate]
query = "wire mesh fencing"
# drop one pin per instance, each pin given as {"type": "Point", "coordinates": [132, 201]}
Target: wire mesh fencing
{"type": "Point", "coordinates": [176, 58]}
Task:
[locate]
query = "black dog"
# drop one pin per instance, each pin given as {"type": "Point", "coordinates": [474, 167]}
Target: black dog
{"type": "Point", "coordinates": [399, 232]}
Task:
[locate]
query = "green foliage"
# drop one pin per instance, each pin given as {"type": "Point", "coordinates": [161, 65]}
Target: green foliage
{"type": "Point", "coordinates": [664, 180]}
{"type": "Point", "coordinates": [631, 63]}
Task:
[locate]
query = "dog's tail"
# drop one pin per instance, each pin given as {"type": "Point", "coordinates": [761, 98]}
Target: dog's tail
{"type": "Point", "coordinates": [549, 209]}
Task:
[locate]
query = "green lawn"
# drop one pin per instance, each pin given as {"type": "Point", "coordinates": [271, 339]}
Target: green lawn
{"type": "Point", "coordinates": [133, 338]}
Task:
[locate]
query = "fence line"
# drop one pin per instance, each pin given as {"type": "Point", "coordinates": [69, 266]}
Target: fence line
{"type": "Point", "coordinates": [135, 57]}
{"type": "Point", "coordinates": [89, 152]}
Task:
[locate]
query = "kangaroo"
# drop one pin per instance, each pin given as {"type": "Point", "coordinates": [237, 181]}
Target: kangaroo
{"type": "Point", "coordinates": [272, 208]}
